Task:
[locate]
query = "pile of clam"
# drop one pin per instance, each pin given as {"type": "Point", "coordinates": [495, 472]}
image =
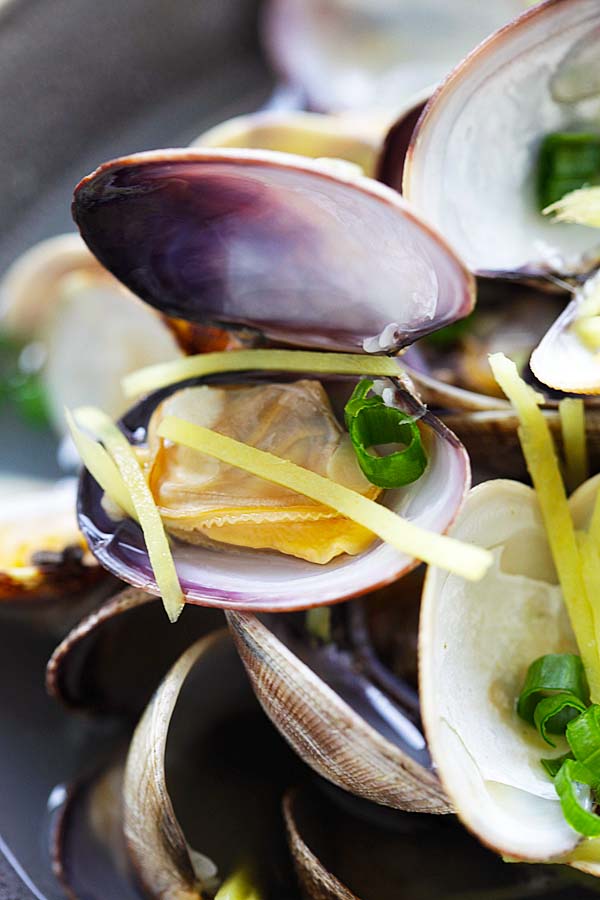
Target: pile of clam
{"type": "Point", "coordinates": [306, 252]}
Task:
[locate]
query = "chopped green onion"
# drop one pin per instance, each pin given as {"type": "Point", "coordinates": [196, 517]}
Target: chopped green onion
{"type": "Point", "coordinates": [551, 675]}
{"type": "Point", "coordinates": [566, 162]}
{"type": "Point", "coordinates": [573, 783]}
{"type": "Point", "coordinates": [370, 422]}
{"type": "Point", "coordinates": [553, 714]}
{"type": "Point", "coordinates": [552, 766]}
{"type": "Point", "coordinates": [583, 735]}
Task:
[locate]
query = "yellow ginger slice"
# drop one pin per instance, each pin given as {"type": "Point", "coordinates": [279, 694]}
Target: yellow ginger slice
{"type": "Point", "coordinates": [157, 544]}
{"type": "Point", "coordinates": [162, 374]}
{"type": "Point", "coordinates": [540, 455]}
{"type": "Point", "coordinates": [455, 556]}
{"type": "Point", "coordinates": [201, 499]}
{"type": "Point", "coordinates": [572, 423]}
{"type": "Point", "coordinates": [580, 207]}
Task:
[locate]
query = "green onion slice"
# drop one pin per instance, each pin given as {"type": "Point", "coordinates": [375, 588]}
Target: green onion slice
{"type": "Point", "coordinates": [554, 714]}
{"type": "Point", "coordinates": [552, 766]}
{"type": "Point", "coordinates": [573, 784]}
{"type": "Point", "coordinates": [555, 673]}
{"type": "Point", "coordinates": [370, 422]}
{"type": "Point", "coordinates": [567, 161]}
{"type": "Point", "coordinates": [583, 735]}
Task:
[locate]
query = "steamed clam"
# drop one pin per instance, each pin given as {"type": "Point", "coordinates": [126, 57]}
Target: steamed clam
{"type": "Point", "coordinates": [86, 329]}
{"type": "Point", "coordinates": [369, 54]}
{"type": "Point", "coordinates": [279, 244]}
{"type": "Point", "coordinates": [353, 137]}
{"type": "Point", "coordinates": [348, 716]}
{"type": "Point", "coordinates": [46, 570]}
{"type": "Point", "coordinates": [540, 76]}
{"type": "Point", "coordinates": [197, 798]}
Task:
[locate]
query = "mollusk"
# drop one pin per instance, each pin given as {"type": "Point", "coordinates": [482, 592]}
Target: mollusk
{"type": "Point", "coordinates": [360, 732]}
{"type": "Point", "coordinates": [475, 647]}
{"type": "Point", "coordinates": [471, 174]}
{"type": "Point", "coordinates": [178, 789]}
{"type": "Point", "coordinates": [365, 54]}
{"type": "Point", "coordinates": [315, 259]}
{"type": "Point", "coordinates": [352, 137]}
{"type": "Point", "coordinates": [89, 330]}
{"type": "Point", "coordinates": [46, 569]}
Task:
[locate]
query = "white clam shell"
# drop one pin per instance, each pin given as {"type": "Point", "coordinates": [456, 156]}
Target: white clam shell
{"type": "Point", "coordinates": [476, 643]}
{"type": "Point", "coordinates": [470, 168]}
{"type": "Point", "coordinates": [353, 137]}
{"type": "Point", "coordinates": [91, 330]}
{"type": "Point", "coordinates": [366, 54]}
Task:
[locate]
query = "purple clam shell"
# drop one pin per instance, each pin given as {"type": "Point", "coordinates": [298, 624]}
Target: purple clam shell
{"type": "Point", "coordinates": [261, 580]}
{"type": "Point", "coordinates": [273, 242]}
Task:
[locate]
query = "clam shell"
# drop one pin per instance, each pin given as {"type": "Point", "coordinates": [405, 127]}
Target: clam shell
{"type": "Point", "coordinates": [224, 784]}
{"type": "Point", "coordinates": [343, 853]}
{"type": "Point", "coordinates": [456, 170]}
{"type": "Point", "coordinates": [475, 647]}
{"type": "Point", "coordinates": [562, 361]}
{"type": "Point", "coordinates": [93, 668]}
{"type": "Point", "coordinates": [354, 138]}
{"type": "Point", "coordinates": [238, 578]}
{"type": "Point", "coordinates": [329, 727]}
{"type": "Point", "coordinates": [273, 242]}
{"type": "Point", "coordinates": [56, 295]}
{"type": "Point", "coordinates": [370, 54]}
{"type": "Point", "coordinates": [52, 587]}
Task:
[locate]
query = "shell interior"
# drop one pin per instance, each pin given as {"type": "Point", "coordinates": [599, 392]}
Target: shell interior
{"type": "Point", "coordinates": [476, 643]}
{"type": "Point", "coordinates": [273, 242]}
{"type": "Point", "coordinates": [241, 578]}
{"type": "Point", "coordinates": [472, 173]}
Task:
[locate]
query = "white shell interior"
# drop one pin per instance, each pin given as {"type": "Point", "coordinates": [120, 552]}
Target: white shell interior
{"type": "Point", "coordinates": [562, 360]}
{"type": "Point", "coordinates": [471, 168]}
{"type": "Point", "coordinates": [374, 53]}
{"type": "Point", "coordinates": [476, 643]}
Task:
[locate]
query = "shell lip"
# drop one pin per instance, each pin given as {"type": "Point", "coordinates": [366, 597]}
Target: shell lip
{"type": "Point", "coordinates": [119, 545]}
{"type": "Point", "coordinates": [201, 233]}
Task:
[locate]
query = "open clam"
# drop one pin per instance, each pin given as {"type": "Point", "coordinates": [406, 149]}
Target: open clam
{"type": "Point", "coordinates": [352, 137]}
{"type": "Point", "coordinates": [347, 851]}
{"type": "Point", "coordinates": [537, 76]}
{"type": "Point", "coordinates": [475, 648]}
{"type": "Point", "coordinates": [343, 711]}
{"type": "Point", "coordinates": [373, 53]}
{"type": "Point", "coordinates": [310, 258]}
{"type": "Point", "coordinates": [46, 571]}
{"type": "Point", "coordinates": [204, 770]}
{"type": "Point", "coordinates": [53, 298]}
{"type": "Point", "coordinates": [92, 669]}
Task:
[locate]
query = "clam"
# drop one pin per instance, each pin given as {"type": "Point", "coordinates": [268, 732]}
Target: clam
{"type": "Point", "coordinates": [47, 573]}
{"type": "Point", "coordinates": [365, 54]}
{"type": "Point", "coordinates": [475, 648]}
{"type": "Point", "coordinates": [345, 851]}
{"type": "Point", "coordinates": [306, 257]}
{"type": "Point", "coordinates": [93, 668]}
{"type": "Point", "coordinates": [536, 76]}
{"type": "Point", "coordinates": [204, 770]}
{"type": "Point", "coordinates": [341, 709]}
{"type": "Point", "coordinates": [352, 137]}
{"type": "Point", "coordinates": [85, 329]}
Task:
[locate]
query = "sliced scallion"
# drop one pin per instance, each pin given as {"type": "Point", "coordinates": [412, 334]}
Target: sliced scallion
{"type": "Point", "coordinates": [371, 422]}
{"type": "Point", "coordinates": [583, 735]}
{"type": "Point", "coordinates": [549, 676]}
{"type": "Point", "coordinates": [566, 162]}
{"type": "Point", "coordinates": [573, 784]}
